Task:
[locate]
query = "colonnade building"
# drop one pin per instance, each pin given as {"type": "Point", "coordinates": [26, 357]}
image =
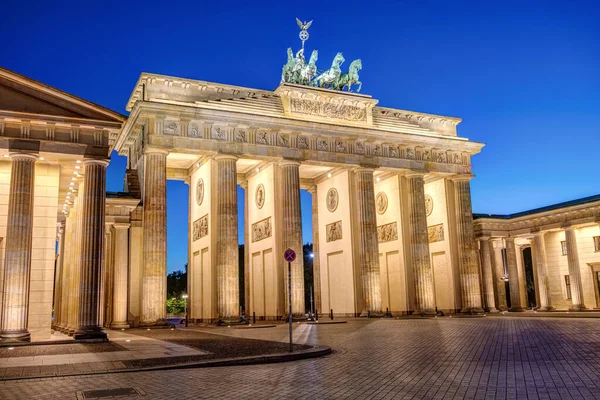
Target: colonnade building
{"type": "Point", "coordinates": [391, 208]}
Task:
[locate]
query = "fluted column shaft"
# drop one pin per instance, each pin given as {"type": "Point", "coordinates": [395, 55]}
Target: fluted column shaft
{"type": "Point", "coordinates": [487, 271]}
{"type": "Point", "coordinates": [76, 212]}
{"type": "Point", "coordinates": [246, 251]}
{"type": "Point", "coordinates": [58, 273]}
{"type": "Point", "coordinates": [120, 276]}
{"type": "Point", "coordinates": [419, 245]}
{"type": "Point", "coordinates": [66, 276]}
{"type": "Point", "coordinates": [228, 294]}
{"type": "Point", "coordinates": [513, 275]}
{"type": "Point", "coordinates": [17, 258]}
{"type": "Point", "coordinates": [498, 265]}
{"type": "Point", "coordinates": [467, 256]}
{"type": "Point", "coordinates": [292, 233]}
{"type": "Point", "coordinates": [92, 250]}
{"type": "Point", "coordinates": [316, 258]}
{"type": "Point", "coordinates": [542, 271]}
{"type": "Point", "coordinates": [577, 302]}
{"type": "Point", "coordinates": [154, 270]}
{"type": "Point", "coordinates": [368, 246]}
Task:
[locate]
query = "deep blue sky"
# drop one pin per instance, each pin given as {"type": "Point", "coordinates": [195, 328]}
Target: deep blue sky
{"type": "Point", "coordinates": [524, 77]}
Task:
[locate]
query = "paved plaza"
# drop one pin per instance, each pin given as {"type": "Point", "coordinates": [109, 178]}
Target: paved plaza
{"type": "Point", "coordinates": [485, 357]}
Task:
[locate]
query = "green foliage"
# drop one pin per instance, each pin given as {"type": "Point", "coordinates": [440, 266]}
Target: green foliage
{"type": "Point", "coordinates": [175, 305]}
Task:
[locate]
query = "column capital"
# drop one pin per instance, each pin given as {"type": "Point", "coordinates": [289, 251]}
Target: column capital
{"type": "Point", "coordinates": [23, 156]}
{"type": "Point", "coordinates": [284, 162]}
{"type": "Point", "coordinates": [312, 189]}
{"type": "Point", "coordinates": [155, 150]}
{"type": "Point", "coordinates": [461, 177]}
{"type": "Point", "coordinates": [223, 156]}
{"type": "Point", "coordinates": [365, 170]}
{"type": "Point", "coordinates": [122, 225]}
{"type": "Point", "coordinates": [96, 161]}
{"type": "Point", "coordinates": [484, 238]}
{"type": "Point", "coordinates": [416, 174]}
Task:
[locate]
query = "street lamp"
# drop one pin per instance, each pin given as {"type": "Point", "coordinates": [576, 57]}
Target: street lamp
{"type": "Point", "coordinates": [184, 297]}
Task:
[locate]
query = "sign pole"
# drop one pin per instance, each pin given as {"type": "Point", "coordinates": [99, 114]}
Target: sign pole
{"type": "Point", "coordinates": [290, 300]}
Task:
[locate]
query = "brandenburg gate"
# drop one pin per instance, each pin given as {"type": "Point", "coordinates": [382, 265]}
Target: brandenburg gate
{"type": "Point", "coordinates": [392, 220]}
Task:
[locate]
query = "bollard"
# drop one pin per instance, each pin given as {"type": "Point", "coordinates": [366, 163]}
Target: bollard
{"type": "Point", "coordinates": [331, 313]}
{"type": "Point", "coordinates": [368, 313]}
{"type": "Point", "coordinates": [316, 314]}
{"type": "Point", "coordinates": [253, 317]}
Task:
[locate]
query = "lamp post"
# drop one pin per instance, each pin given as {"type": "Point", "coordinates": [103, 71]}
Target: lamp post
{"type": "Point", "coordinates": [184, 297]}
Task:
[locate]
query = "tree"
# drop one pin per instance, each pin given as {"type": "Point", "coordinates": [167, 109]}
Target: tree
{"type": "Point", "coordinates": [177, 283]}
{"type": "Point", "coordinates": [307, 251]}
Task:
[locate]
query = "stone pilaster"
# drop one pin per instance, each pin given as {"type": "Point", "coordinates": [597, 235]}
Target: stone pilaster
{"type": "Point", "coordinates": [368, 246]}
{"type": "Point", "coordinates": [17, 257]}
{"type": "Point", "coordinates": [65, 276]}
{"type": "Point", "coordinates": [498, 265]}
{"type": "Point", "coordinates": [541, 264]}
{"type": "Point", "coordinates": [227, 265]}
{"type": "Point", "coordinates": [120, 274]}
{"type": "Point", "coordinates": [292, 233]}
{"type": "Point", "coordinates": [58, 273]}
{"type": "Point", "coordinates": [419, 245]}
{"type": "Point", "coordinates": [92, 250]}
{"type": "Point", "coordinates": [513, 275]}
{"type": "Point", "coordinates": [467, 256]}
{"type": "Point", "coordinates": [316, 257]}
{"type": "Point", "coordinates": [487, 271]}
{"type": "Point", "coordinates": [154, 269]}
{"type": "Point", "coordinates": [574, 270]}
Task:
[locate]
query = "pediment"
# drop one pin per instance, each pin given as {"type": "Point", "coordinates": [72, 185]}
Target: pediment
{"type": "Point", "coordinates": [20, 94]}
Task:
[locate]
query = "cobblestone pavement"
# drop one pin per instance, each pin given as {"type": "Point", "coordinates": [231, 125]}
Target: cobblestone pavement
{"type": "Point", "coordinates": [421, 359]}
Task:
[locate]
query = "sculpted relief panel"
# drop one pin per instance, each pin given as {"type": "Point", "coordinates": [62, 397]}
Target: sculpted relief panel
{"type": "Point", "coordinates": [387, 232]}
{"type": "Point", "coordinates": [261, 230]}
{"type": "Point", "coordinates": [328, 110]}
{"type": "Point", "coordinates": [428, 204]}
{"type": "Point", "coordinates": [332, 199]}
{"type": "Point", "coordinates": [381, 202]}
{"type": "Point", "coordinates": [334, 231]}
{"type": "Point", "coordinates": [200, 191]}
{"type": "Point", "coordinates": [435, 233]}
{"type": "Point", "coordinates": [259, 196]}
{"type": "Point", "coordinates": [200, 228]}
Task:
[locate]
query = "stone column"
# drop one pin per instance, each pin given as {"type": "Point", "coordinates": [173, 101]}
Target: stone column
{"type": "Point", "coordinates": [246, 252]}
{"type": "Point", "coordinates": [74, 281]}
{"type": "Point", "coordinates": [574, 270]}
{"type": "Point", "coordinates": [467, 256]}
{"type": "Point", "coordinates": [368, 246]}
{"type": "Point", "coordinates": [58, 273]}
{"type": "Point", "coordinates": [316, 258]}
{"type": "Point", "coordinates": [419, 245]}
{"type": "Point", "coordinates": [542, 271]}
{"type": "Point", "coordinates": [120, 274]}
{"type": "Point", "coordinates": [498, 265]}
{"type": "Point", "coordinates": [92, 250]}
{"type": "Point", "coordinates": [292, 233]}
{"type": "Point", "coordinates": [106, 295]}
{"type": "Point", "coordinates": [227, 265]}
{"type": "Point", "coordinates": [17, 256]}
{"type": "Point", "coordinates": [513, 275]}
{"type": "Point", "coordinates": [487, 270]}
{"type": "Point", "coordinates": [154, 269]}
{"type": "Point", "coordinates": [66, 275]}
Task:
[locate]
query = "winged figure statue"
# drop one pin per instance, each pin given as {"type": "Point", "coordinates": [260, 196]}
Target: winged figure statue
{"type": "Point", "coordinates": [304, 26]}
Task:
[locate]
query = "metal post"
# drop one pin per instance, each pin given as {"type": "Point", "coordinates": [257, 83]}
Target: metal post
{"type": "Point", "coordinates": [290, 300]}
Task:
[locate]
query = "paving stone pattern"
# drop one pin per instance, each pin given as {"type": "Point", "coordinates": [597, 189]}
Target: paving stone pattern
{"type": "Point", "coordinates": [443, 358]}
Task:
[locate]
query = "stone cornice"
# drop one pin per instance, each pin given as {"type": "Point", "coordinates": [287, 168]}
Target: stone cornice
{"type": "Point", "coordinates": [539, 222]}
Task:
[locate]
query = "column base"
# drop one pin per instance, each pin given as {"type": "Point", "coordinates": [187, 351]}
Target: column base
{"type": "Point", "coordinates": [516, 309]}
{"type": "Point", "coordinates": [473, 310]}
{"type": "Point", "coordinates": [546, 308]}
{"type": "Point", "coordinates": [161, 323]}
{"type": "Point", "coordinates": [424, 312]}
{"type": "Point", "coordinates": [232, 321]}
{"type": "Point", "coordinates": [492, 310]}
{"type": "Point", "coordinates": [372, 314]}
{"type": "Point", "coordinates": [16, 337]}
{"type": "Point", "coordinates": [90, 335]}
{"type": "Point", "coordinates": [119, 325]}
{"type": "Point", "coordinates": [577, 307]}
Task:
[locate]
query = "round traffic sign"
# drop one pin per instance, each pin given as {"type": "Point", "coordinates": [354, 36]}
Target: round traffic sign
{"type": "Point", "coordinates": [289, 255]}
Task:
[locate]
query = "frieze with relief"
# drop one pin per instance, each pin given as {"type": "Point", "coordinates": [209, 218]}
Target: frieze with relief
{"type": "Point", "coordinates": [219, 133]}
{"type": "Point", "coordinates": [387, 233]}
{"type": "Point", "coordinates": [328, 110]}
{"type": "Point", "coordinates": [283, 140]}
{"type": "Point", "coordinates": [435, 233]}
{"type": "Point", "coordinates": [261, 230]}
{"type": "Point", "coordinates": [261, 137]}
{"type": "Point", "coordinates": [303, 142]}
{"type": "Point", "coordinates": [171, 128]}
{"type": "Point", "coordinates": [241, 135]}
{"type": "Point", "coordinates": [200, 228]}
{"type": "Point", "coordinates": [334, 231]}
